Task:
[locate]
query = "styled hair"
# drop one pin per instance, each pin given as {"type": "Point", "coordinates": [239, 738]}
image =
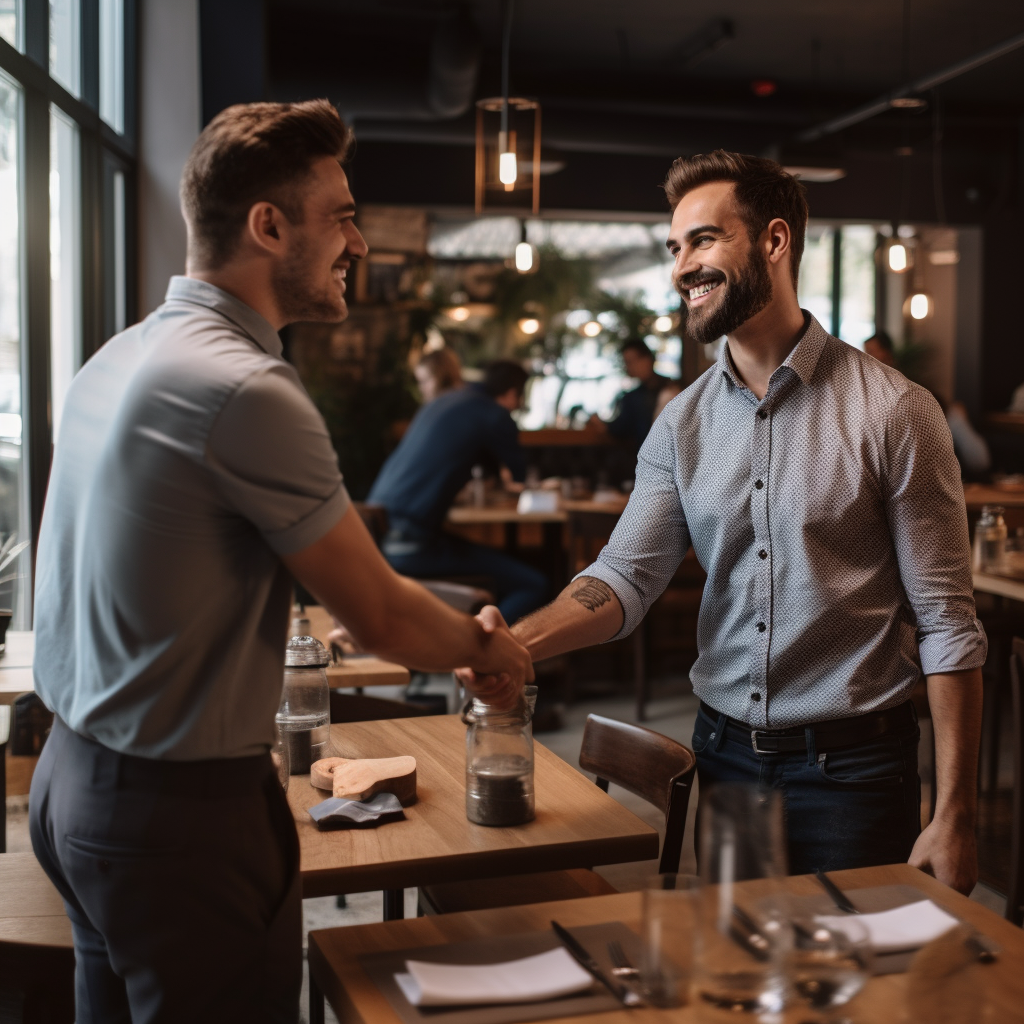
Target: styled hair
{"type": "Point", "coordinates": [443, 365]}
{"type": "Point", "coordinates": [502, 375]}
{"type": "Point", "coordinates": [764, 191]}
{"type": "Point", "coordinates": [639, 346]}
{"type": "Point", "coordinates": [251, 153]}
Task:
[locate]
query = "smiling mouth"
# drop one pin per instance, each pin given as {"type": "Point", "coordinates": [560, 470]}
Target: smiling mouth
{"type": "Point", "coordinates": [699, 291]}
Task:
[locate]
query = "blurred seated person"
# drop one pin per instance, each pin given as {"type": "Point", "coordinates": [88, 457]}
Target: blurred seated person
{"type": "Point", "coordinates": [437, 372]}
{"type": "Point", "coordinates": [635, 408]}
{"type": "Point", "coordinates": [666, 394]}
{"type": "Point", "coordinates": [432, 463]}
{"type": "Point", "coordinates": [880, 346]}
{"type": "Point", "coordinates": [970, 448]}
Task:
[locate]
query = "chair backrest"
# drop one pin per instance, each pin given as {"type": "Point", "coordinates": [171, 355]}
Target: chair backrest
{"type": "Point", "coordinates": [1015, 891]}
{"type": "Point", "coordinates": [355, 707]}
{"type": "Point", "coordinates": [649, 765]}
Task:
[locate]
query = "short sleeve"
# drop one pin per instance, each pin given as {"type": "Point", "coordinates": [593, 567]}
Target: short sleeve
{"type": "Point", "coordinates": [272, 456]}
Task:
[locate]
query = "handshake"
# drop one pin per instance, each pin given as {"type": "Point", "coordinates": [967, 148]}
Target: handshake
{"type": "Point", "coordinates": [503, 667]}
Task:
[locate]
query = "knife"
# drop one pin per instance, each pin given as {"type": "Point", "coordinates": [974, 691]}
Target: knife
{"type": "Point", "coordinates": [624, 995]}
{"type": "Point", "coordinates": [839, 898]}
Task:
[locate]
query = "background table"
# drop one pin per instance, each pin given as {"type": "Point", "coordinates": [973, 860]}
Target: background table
{"type": "Point", "coordinates": [577, 825]}
{"type": "Point", "coordinates": [16, 665]}
{"type": "Point", "coordinates": [355, 670]}
{"type": "Point", "coordinates": [334, 953]}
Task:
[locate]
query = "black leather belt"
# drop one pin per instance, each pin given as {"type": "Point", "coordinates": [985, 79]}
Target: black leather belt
{"type": "Point", "coordinates": [840, 732]}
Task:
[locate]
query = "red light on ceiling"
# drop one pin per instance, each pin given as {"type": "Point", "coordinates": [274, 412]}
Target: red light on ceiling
{"type": "Point", "coordinates": [763, 87]}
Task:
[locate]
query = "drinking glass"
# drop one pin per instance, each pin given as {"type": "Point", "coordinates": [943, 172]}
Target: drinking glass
{"type": "Point", "coordinates": [743, 932]}
{"type": "Point", "coordinates": [828, 966]}
{"type": "Point", "coordinates": [279, 755]}
{"type": "Point", "coordinates": [668, 925]}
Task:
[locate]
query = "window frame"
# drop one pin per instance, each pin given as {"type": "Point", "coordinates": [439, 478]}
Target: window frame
{"type": "Point", "coordinates": [102, 150]}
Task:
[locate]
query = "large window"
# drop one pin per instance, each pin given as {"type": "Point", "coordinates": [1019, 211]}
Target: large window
{"type": "Point", "coordinates": [67, 181]}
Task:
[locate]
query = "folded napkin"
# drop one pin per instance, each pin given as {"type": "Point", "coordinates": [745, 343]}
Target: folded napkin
{"type": "Point", "coordinates": [336, 812]}
{"type": "Point", "coordinates": [907, 927]}
{"type": "Point", "coordinates": [529, 980]}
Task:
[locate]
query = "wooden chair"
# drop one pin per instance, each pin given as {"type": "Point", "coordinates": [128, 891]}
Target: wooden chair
{"type": "Point", "coordinates": [37, 968]}
{"type": "Point", "coordinates": [356, 707]}
{"type": "Point", "coordinates": [649, 765]}
{"type": "Point", "coordinates": [1015, 891]}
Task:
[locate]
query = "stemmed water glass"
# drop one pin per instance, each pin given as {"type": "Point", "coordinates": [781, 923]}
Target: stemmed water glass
{"type": "Point", "coordinates": [829, 965]}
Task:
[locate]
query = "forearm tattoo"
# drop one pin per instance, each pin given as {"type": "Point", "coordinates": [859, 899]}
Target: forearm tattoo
{"type": "Point", "coordinates": [592, 594]}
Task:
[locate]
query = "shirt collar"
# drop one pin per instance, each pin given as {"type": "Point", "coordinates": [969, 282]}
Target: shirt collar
{"type": "Point", "coordinates": [202, 293]}
{"type": "Point", "coordinates": [802, 360]}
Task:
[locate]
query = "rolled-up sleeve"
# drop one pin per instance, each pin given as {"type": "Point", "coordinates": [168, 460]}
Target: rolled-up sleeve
{"type": "Point", "coordinates": [928, 519]}
{"type": "Point", "coordinates": [272, 457]}
{"type": "Point", "coordinates": [651, 538]}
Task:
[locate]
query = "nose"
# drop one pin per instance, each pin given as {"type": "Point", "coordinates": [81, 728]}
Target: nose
{"type": "Point", "coordinates": [686, 263]}
{"type": "Point", "coordinates": [356, 247]}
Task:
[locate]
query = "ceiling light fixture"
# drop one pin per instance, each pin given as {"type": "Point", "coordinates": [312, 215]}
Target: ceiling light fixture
{"type": "Point", "coordinates": [919, 305]}
{"type": "Point", "coordinates": [529, 325]}
{"type": "Point", "coordinates": [591, 329]}
{"type": "Point", "coordinates": [499, 168]}
{"type": "Point", "coordinates": [663, 324]}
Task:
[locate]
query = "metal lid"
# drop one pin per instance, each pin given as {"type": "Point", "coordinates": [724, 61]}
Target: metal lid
{"type": "Point", "coordinates": [305, 652]}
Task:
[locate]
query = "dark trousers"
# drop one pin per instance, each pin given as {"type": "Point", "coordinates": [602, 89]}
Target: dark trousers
{"type": "Point", "coordinates": [854, 807]}
{"type": "Point", "coordinates": [519, 589]}
{"type": "Point", "coordinates": [181, 881]}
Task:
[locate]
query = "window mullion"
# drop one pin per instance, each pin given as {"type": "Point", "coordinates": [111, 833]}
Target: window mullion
{"type": "Point", "coordinates": [91, 52]}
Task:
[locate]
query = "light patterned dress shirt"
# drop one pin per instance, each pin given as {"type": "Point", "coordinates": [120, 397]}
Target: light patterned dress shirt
{"type": "Point", "coordinates": [830, 520]}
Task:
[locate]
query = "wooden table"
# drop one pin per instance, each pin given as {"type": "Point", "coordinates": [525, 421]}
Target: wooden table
{"type": "Point", "coordinates": [577, 825]}
{"type": "Point", "coordinates": [31, 910]}
{"type": "Point", "coordinates": [334, 953]}
{"type": "Point", "coordinates": [977, 495]}
{"type": "Point", "coordinates": [354, 670]}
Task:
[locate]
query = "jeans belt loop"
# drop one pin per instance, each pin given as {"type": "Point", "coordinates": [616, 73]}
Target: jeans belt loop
{"type": "Point", "coordinates": [723, 724]}
{"type": "Point", "coordinates": [812, 753]}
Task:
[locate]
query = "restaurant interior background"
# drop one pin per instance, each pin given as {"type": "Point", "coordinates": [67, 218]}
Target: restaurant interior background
{"type": "Point", "coordinates": [905, 120]}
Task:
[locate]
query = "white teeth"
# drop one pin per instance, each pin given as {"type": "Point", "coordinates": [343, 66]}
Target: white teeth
{"type": "Point", "coordinates": [702, 289]}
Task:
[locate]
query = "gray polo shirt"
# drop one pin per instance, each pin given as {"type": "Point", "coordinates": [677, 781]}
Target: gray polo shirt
{"type": "Point", "coordinates": [190, 458]}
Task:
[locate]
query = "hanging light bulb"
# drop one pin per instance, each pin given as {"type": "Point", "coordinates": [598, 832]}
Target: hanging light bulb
{"type": "Point", "coordinates": [529, 325]}
{"type": "Point", "coordinates": [506, 166]}
{"type": "Point", "coordinates": [898, 258]}
{"type": "Point", "coordinates": [591, 328]}
{"type": "Point", "coordinates": [920, 305]}
{"type": "Point", "coordinates": [524, 257]}
{"type": "Point", "coordinates": [663, 324]}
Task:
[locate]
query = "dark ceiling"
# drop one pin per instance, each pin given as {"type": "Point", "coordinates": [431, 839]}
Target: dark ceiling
{"type": "Point", "coordinates": [626, 86]}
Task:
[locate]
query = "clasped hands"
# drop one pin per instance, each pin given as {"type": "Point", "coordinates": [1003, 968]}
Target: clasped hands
{"type": "Point", "coordinates": [506, 666]}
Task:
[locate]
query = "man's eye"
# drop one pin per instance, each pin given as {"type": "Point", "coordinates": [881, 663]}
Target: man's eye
{"type": "Point", "coordinates": [702, 239]}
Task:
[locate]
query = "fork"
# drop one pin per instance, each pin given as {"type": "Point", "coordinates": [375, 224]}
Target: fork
{"type": "Point", "coordinates": [622, 966]}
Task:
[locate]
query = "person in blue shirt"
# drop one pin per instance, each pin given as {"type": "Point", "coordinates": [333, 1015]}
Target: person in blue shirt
{"type": "Point", "coordinates": [434, 460]}
{"type": "Point", "coordinates": [636, 408]}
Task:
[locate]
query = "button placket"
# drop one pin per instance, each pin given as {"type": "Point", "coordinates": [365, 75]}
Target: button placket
{"type": "Point", "coordinates": [760, 452]}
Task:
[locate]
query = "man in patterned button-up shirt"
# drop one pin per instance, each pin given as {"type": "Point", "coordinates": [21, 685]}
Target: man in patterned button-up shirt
{"type": "Point", "coordinates": [821, 495]}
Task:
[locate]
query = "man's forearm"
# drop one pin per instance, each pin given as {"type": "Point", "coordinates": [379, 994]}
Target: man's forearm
{"type": "Point", "coordinates": [587, 612]}
{"type": "Point", "coordinates": [955, 700]}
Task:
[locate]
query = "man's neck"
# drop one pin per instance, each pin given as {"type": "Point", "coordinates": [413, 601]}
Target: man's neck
{"type": "Point", "coordinates": [247, 285]}
{"type": "Point", "coordinates": [761, 345]}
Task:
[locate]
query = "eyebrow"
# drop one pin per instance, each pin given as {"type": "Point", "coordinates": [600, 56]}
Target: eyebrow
{"type": "Point", "coordinates": [694, 232]}
{"type": "Point", "coordinates": [345, 208]}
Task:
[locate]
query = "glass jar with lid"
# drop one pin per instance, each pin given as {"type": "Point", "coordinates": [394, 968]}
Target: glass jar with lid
{"type": "Point", "coordinates": [304, 717]}
{"type": "Point", "coordinates": [990, 539]}
{"type": "Point", "coordinates": [499, 762]}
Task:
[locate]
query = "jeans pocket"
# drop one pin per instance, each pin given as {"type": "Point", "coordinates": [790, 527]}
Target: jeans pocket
{"type": "Point", "coordinates": [879, 763]}
{"type": "Point", "coordinates": [703, 733]}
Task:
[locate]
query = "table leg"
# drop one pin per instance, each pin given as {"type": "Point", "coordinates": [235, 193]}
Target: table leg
{"type": "Point", "coordinates": [316, 1002]}
{"type": "Point", "coordinates": [555, 560]}
{"type": "Point", "coordinates": [394, 904]}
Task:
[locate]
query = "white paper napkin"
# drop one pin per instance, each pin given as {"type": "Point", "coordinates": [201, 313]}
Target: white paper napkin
{"type": "Point", "coordinates": [530, 980]}
{"type": "Point", "coordinates": [907, 927]}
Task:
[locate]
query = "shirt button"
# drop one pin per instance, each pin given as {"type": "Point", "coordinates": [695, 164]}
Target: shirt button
{"type": "Point", "coordinates": [755, 696]}
{"type": "Point", "coordinates": [763, 414]}
{"type": "Point", "coordinates": [759, 484]}
{"type": "Point", "coordinates": [762, 553]}
{"type": "Point", "coordinates": [761, 627]}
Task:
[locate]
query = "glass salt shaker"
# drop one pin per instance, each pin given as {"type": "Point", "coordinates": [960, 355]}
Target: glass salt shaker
{"type": "Point", "coordinates": [990, 539]}
{"type": "Point", "coordinates": [304, 716]}
{"type": "Point", "coordinates": [499, 762]}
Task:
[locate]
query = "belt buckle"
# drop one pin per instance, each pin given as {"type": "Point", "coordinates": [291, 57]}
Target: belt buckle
{"type": "Point", "coordinates": [753, 743]}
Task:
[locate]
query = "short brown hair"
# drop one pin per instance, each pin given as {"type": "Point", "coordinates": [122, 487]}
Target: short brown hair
{"type": "Point", "coordinates": [443, 365]}
{"type": "Point", "coordinates": [250, 153]}
{"type": "Point", "coordinates": [764, 191]}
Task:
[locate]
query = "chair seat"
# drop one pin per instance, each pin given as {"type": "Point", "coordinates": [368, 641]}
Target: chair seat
{"type": "Point", "coordinates": [513, 891]}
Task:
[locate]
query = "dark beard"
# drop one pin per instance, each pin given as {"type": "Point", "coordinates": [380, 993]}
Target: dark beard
{"type": "Point", "coordinates": [298, 302]}
{"type": "Point", "coordinates": [750, 293]}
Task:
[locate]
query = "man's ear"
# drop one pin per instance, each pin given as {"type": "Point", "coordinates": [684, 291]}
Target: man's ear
{"type": "Point", "coordinates": [262, 227]}
{"type": "Point", "coordinates": [779, 240]}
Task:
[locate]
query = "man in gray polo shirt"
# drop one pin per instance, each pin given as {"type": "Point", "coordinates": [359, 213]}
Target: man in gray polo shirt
{"type": "Point", "coordinates": [191, 480]}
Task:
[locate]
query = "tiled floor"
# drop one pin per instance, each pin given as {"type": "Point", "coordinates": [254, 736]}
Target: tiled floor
{"type": "Point", "coordinates": [671, 712]}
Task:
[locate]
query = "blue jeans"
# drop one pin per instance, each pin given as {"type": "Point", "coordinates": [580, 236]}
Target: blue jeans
{"type": "Point", "coordinates": [852, 807]}
{"type": "Point", "coordinates": [519, 589]}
